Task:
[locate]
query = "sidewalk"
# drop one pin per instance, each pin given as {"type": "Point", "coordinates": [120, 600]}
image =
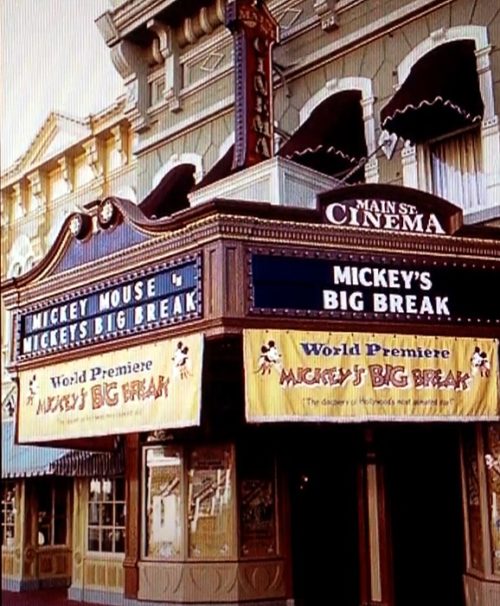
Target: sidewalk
{"type": "Point", "coordinates": [41, 597]}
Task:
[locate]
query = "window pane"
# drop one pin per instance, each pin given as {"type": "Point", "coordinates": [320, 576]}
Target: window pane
{"type": "Point", "coordinates": [210, 503]}
{"type": "Point", "coordinates": [119, 489]}
{"type": "Point", "coordinates": [8, 513]}
{"type": "Point", "coordinates": [94, 511]}
{"type": "Point", "coordinates": [163, 503]}
{"type": "Point", "coordinates": [105, 513]}
{"type": "Point", "coordinates": [457, 172]}
{"type": "Point", "coordinates": [119, 538]}
{"type": "Point", "coordinates": [60, 501]}
{"type": "Point", "coordinates": [107, 539]}
{"type": "Point", "coordinates": [93, 542]}
{"type": "Point", "coordinates": [60, 531]}
{"type": "Point", "coordinates": [120, 514]}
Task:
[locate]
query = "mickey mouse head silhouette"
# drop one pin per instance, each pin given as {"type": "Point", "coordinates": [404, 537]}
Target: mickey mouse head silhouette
{"type": "Point", "coordinates": [480, 362]}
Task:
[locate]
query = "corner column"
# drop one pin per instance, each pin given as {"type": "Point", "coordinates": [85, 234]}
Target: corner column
{"type": "Point", "coordinates": [133, 501]}
{"type": "Point", "coordinates": [376, 584]}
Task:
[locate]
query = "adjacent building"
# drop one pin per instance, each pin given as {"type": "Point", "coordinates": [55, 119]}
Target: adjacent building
{"type": "Point", "coordinates": [70, 165]}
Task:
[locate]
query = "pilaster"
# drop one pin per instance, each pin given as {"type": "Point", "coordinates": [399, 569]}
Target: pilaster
{"type": "Point", "coordinates": [39, 190]}
{"type": "Point", "coordinates": [67, 167]}
{"type": "Point", "coordinates": [94, 156]}
{"type": "Point", "coordinates": [120, 137]}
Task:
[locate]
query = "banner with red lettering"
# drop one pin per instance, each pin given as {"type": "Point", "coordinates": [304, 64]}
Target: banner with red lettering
{"type": "Point", "coordinates": [341, 377]}
{"type": "Point", "coordinates": [143, 388]}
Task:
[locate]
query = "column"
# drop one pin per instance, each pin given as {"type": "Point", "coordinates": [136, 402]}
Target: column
{"type": "Point", "coordinates": [376, 586]}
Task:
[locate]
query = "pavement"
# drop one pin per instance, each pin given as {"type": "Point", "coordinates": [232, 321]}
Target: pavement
{"type": "Point", "coordinates": [41, 597]}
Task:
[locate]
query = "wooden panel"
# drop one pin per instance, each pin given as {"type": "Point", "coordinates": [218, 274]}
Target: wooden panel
{"type": "Point", "coordinates": [7, 563]}
{"type": "Point", "coordinates": [211, 581]}
{"type": "Point", "coordinates": [55, 563]}
{"type": "Point", "coordinates": [103, 572]}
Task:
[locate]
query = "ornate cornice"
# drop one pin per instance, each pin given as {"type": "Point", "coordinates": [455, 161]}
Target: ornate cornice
{"type": "Point", "coordinates": [250, 224]}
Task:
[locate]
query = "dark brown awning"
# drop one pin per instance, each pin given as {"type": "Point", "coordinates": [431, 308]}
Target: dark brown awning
{"type": "Point", "coordinates": [332, 139]}
{"type": "Point", "coordinates": [440, 95]}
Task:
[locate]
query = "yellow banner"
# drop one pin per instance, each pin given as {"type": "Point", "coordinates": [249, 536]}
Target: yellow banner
{"type": "Point", "coordinates": [141, 388]}
{"type": "Point", "coordinates": [341, 377]}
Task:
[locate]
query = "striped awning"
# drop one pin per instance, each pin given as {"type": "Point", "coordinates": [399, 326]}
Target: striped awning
{"type": "Point", "coordinates": [20, 461]}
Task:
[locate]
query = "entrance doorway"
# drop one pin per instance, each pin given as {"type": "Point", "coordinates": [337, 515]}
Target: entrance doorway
{"type": "Point", "coordinates": [321, 466]}
{"type": "Point", "coordinates": [424, 501]}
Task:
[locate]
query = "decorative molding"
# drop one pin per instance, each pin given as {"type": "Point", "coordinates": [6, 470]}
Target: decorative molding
{"type": "Point", "coordinates": [325, 9]}
{"type": "Point", "coordinates": [93, 156]}
{"type": "Point", "coordinates": [38, 180]}
{"type": "Point", "coordinates": [130, 61]}
{"type": "Point", "coordinates": [166, 51]}
{"type": "Point", "coordinates": [120, 137]}
{"type": "Point", "coordinates": [204, 22]}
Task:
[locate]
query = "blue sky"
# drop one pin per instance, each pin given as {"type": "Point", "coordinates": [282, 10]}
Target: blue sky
{"type": "Point", "coordinates": [52, 59]}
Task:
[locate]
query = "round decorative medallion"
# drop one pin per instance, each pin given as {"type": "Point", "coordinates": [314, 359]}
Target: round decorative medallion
{"type": "Point", "coordinates": [76, 224]}
{"type": "Point", "coordinates": [106, 213]}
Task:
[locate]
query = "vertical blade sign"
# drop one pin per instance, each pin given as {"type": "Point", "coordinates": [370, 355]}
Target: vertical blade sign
{"type": "Point", "coordinates": [255, 32]}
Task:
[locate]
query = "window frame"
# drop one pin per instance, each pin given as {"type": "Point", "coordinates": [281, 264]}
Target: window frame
{"type": "Point", "coordinates": [9, 507]}
{"type": "Point", "coordinates": [100, 526]}
{"type": "Point", "coordinates": [53, 487]}
{"type": "Point", "coordinates": [185, 453]}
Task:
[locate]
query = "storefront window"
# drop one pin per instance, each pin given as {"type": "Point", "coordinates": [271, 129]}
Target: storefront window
{"type": "Point", "coordinates": [52, 513]}
{"type": "Point", "coordinates": [209, 502]}
{"type": "Point", "coordinates": [257, 505]}
{"type": "Point", "coordinates": [492, 460]}
{"type": "Point", "coordinates": [473, 501]}
{"type": "Point", "coordinates": [8, 513]}
{"type": "Point", "coordinates": [188, 502]}
{"type": "Point", "coordinates": [163, 503]}
{"type": "Point", "coordinates": [106, 516]}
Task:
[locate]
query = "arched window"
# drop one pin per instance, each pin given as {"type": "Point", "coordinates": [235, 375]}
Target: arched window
{"type": "Point", "coordinates": [175, 160]}
{"type": "Point", "coordinates": [337, 131]}
{"type": "Point", "coordinates": [444, 110]}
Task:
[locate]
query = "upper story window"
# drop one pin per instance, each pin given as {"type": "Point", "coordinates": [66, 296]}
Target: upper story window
{"type": "Point", "coordinates": [454, 168]}
{"type": "Point", "coordinates": [444, 111]}
{"type": "Point", "coordinates": [332, 138]}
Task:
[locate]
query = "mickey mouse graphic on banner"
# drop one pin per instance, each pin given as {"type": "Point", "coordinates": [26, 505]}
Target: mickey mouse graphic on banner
{"type": "Point", "coordinates": [269, 358]}
{"type": "Point", "coordinates": [480, 363]}
{"type": "Point", "coordinates": [182, 362]}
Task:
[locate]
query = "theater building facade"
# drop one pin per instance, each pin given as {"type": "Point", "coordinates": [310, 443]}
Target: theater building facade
{"type": "Point", "coordinates": [293, 336]}
{"type": "Point", "coordinates": [305, 409]}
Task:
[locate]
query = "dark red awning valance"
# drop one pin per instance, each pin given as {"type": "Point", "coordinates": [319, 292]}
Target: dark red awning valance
{"type": "Point", "coordinates": [441, 94]}
{"type": "Point", "coordinates": [332, 139]}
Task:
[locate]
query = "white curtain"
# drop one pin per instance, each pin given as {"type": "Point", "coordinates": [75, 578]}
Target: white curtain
{"type": "Point", "coordinates": [456, 169]}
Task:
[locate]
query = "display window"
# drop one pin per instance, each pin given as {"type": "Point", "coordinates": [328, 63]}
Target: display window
{"type": "Point", "coordinates": [106, 515]}
{"type": "Point", "coordinates": [188, 503]}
